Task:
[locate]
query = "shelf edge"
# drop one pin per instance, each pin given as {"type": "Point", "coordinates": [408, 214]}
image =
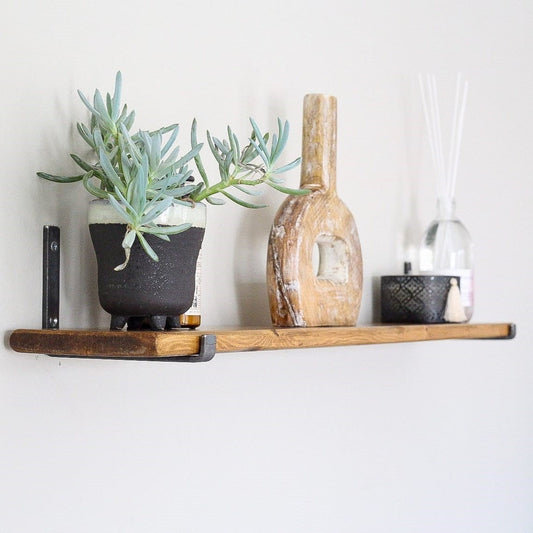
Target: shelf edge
{"type": "Point", "coordinates": [148, 345]}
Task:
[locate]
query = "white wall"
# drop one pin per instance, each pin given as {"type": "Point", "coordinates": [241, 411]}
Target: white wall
{"type": "Point", "coordinates": [408, 438]}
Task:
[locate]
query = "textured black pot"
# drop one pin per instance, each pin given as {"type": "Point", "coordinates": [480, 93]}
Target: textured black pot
{"type": "Point", "coordinates": [414, 299]}
{"type": "Point", "coordinates": [146, 291]}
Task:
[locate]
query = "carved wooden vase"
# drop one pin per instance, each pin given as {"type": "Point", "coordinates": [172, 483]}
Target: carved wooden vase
{"type": "Point", "coordinates": [300, 293]}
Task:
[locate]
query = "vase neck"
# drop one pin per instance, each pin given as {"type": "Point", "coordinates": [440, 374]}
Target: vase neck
{"type": "Point", "coordinates": [445, 208]}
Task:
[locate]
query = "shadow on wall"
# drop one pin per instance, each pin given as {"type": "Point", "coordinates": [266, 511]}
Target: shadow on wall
{"type": "Point", "coordinates": [65, 205]}
{"type": "Point", "coordinates": [250, 265]}
{"type": "Point", "coordinates": [410, 228]}
{"type": "Point", "coordinates": [376, 300]}
{"type": "Point", "coordinates": [7, 334]}
{"type": "Point", "coordinates": [254, 229]}
{"type": "Point", "coordinates": [78, 274]}
{"type": "Point", "coordinates": [406, 223]}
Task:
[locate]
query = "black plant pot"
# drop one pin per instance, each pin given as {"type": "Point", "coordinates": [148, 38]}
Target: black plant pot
{"type": "Point", "coordinates": [146, 293]}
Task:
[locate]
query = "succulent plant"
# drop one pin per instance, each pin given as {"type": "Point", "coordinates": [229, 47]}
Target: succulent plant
{"type": "Point", "coordinates": [142, 174]}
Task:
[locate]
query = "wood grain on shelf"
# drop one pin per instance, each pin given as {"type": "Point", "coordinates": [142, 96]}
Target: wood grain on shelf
{"type": "Point", "coordinates": [164, 344]}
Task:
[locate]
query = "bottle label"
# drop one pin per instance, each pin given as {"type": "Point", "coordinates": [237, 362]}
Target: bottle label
{"type": "Point", "coordinates": [195, 310]}
{"type": "Point", "coordinates": [466, 283]}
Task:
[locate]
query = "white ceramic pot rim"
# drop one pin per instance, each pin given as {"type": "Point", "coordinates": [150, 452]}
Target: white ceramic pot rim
{"type": "Point", "coordinates": [102, 212]}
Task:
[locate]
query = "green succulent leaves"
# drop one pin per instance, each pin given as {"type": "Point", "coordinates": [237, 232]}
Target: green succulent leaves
{"type": "Point", "coordinates": [142, 174]}
{"type": "Point", "coordinates": [244, 169]}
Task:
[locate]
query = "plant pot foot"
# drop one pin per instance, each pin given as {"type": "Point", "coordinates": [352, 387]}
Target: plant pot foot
{"type": "Point", "coordinates": [118, 322]}
{"type": "Point", "coordinates": [137, 323]}
{"type": "Point", "coordinates": [158, 322]}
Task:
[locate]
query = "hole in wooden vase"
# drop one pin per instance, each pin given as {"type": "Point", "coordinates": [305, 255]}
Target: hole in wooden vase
{"type": "Point", "coordinates": [330, 259]}
{"type": "Point", "coordinates": [315, 258]}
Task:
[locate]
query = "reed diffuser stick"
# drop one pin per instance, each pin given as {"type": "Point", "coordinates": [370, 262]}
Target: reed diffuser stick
{"type": "Point", "coordinates": [459, 134]}
{"type": "Point", "coordinates": [446, 174]}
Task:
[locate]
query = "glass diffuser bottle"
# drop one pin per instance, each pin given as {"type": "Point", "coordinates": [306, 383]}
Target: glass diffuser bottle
{"type": "Point", "coordinates": [446, 249]}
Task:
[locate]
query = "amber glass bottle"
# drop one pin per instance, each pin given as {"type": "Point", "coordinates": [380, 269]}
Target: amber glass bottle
{"type": "Point", "coordinates": [193, 317]}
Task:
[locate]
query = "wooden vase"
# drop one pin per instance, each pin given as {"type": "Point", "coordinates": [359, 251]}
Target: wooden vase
{"type": "Point", "coordinates": [300, 293]}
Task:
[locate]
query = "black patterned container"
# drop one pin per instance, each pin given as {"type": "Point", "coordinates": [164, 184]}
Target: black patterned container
{"type": "Point", "coordinates": [414, 299]}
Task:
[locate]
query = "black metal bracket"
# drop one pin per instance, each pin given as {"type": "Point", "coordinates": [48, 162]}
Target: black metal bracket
{"type": "Point", "coordinates": [511, 334]}
{"type": "Point", "coordinates": [208, 343]}
{"type": "Point", "coordinates": [51, 256]}
{"type": "Point", "coordinates": [208, 349]}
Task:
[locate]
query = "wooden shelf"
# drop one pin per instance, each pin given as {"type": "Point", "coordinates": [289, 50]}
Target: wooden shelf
{"type": "Point", "coordinates": [186, 345]}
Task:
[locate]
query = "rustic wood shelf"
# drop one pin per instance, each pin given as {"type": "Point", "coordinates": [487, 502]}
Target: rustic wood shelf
{"type": "Point", "coordinates": [186, 345]}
